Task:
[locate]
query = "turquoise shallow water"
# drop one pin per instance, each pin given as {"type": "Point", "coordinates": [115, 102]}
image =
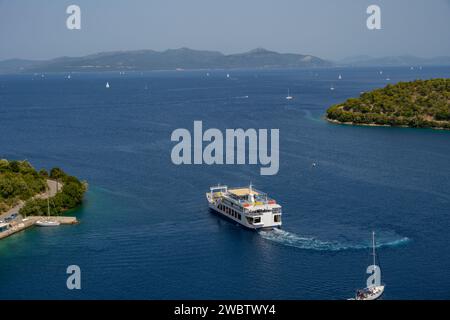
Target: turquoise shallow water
{"type": "Point", "coordinates": [145, 229]}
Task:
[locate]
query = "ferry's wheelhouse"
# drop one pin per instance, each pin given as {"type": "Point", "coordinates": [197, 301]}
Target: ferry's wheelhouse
{"type": "Point", "coordinates": [247, 206]}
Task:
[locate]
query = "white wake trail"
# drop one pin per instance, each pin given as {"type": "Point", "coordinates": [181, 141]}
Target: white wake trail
{"type": "Point", "coordinates": [310, 243]}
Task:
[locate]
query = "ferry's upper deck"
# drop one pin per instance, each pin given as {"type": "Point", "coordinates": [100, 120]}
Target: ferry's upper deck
{"type": "Point", "coordinates": [240, 192]}
{"type": "Point", "coordinates": [247, 197]}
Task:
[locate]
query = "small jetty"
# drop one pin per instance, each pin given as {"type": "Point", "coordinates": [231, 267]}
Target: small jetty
{"type": "Point", "coordinates": [26, 223]}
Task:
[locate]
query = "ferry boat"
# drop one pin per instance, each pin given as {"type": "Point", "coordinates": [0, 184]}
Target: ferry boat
{"type": "Point", "coordinates": [247, 206]}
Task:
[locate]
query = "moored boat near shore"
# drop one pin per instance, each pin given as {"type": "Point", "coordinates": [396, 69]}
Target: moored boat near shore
{"type": "Point", "coordinates": [47, 222]}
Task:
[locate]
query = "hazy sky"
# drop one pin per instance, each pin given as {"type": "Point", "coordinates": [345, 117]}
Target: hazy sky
{"type": "Point", "coordinates": [331, 29]}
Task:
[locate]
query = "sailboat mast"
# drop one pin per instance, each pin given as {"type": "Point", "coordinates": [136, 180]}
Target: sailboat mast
{"type": "Point", "coordinates": [373, 245]}
{"type": "Point", "coordinates": [48, 201]}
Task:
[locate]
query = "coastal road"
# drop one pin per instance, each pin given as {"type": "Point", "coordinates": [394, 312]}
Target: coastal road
{"type": "Point", "coordinates": [53, 188]}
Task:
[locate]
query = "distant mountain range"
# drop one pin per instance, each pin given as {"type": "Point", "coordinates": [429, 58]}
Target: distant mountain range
{"type": "Point", "coordinates": [188, 59]}
{"type": "Point", "coordinates": [172, 59]}
{"type": "Point", "coordinates": [15, 65]}
{"type": "Point", "coordinates": [367, 61]}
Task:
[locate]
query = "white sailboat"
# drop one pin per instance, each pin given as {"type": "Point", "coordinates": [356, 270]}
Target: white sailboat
{"type": "Point", "coordinates": [340, 77]}
{"type": "Point", "coordinates": [47, 222]}
{"type": "Point", "coordinates": [332, 88]}
{"type": "Point", "coordinates": [374, 289]}
{"type": "Point", "coordinates": [107, 85]}
{"type": "Point", "coordinates": [289, 97]}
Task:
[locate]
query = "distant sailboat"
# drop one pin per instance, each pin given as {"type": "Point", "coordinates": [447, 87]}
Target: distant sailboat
{"type": "Point", "coordinates": [374, 290]}
{"type": "Point", "coordinates": [107, 85]}
{"type": "Point", "coordinates": [388, 79]}
{"type": "Point", "coordinates": [289, 97]}
{"type": "Point", "coordinates": [228, 75]}
{"type": "Point", "coordinates": [68, 77]}
{"type": "Point", "coordinates": [340, 77]}
{"type": "Point", "coordinates": [332, 88]}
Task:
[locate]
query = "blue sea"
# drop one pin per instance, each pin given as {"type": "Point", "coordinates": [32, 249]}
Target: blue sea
{"type": "Point", "coordinates": [146, 231]}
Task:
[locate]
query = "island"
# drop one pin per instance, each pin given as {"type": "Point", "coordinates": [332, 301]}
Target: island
{"type": "Point", "coordinates": [27, 195]}
{"type": "Point", "coordinates": [418, 104]}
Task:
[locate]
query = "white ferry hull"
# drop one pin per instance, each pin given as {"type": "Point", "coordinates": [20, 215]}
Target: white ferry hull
{"type": "Point", "coordinates": [266, 219]}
